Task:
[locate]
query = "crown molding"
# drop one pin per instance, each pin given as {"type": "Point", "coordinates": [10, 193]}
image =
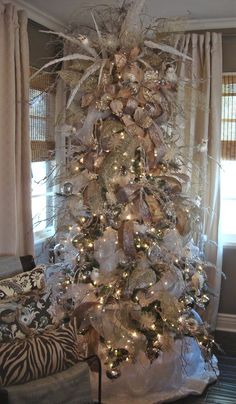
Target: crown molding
{"type": "Point", "coordinates": [52, 23]}
{"type": "Point", "coordinates": [39, 16]}
{"type": "Point", "coordinates": [211, 23]}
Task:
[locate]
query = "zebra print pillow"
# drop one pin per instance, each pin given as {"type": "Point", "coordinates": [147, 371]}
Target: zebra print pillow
{"type": "Point", "coordinates": [38, 356]}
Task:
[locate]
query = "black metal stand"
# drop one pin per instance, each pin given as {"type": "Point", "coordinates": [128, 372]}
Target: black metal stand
{"type": "Point", "coordinates": [97, 359]}
{"type": "Point", "coordinates": [3, 396]}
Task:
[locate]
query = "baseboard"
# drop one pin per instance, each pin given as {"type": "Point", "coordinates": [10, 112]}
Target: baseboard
{"type": "Point", "coordinates": [226, 322]}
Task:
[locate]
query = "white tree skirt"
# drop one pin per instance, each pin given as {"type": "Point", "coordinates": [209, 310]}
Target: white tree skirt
{"type": "Point", "coordinates": [175, 374]}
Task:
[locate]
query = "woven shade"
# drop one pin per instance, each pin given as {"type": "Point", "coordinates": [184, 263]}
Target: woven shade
{"type": "Point", "coordinates": [228, 127]}
{"type": "Point", "coordinates": [42, 98]}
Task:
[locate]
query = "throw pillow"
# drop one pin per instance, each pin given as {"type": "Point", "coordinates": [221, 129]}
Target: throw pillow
{"type": "Point", "coordinates": [38, 356]}
{"type": "Point", "coordinates": [22, 283]}
{"type": "Point", "coordinates": [25, 315]}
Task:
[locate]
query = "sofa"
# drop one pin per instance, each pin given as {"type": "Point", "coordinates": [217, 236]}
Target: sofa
{"type": "Point", "coordinates": [25, 326]}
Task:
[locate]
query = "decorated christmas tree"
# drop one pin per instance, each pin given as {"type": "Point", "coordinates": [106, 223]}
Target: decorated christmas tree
{"type": "Point", "coordinates": [127, 228]}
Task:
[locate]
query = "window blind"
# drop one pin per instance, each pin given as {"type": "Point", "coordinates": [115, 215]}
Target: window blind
{"type": "Point", "coordinates": [42, 112]}
{"type": "Point", "coordinates": [228, 127]}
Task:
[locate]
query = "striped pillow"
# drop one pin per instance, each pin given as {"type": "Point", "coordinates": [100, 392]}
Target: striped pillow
{"type": "Point", "coordinates": [38, 356]}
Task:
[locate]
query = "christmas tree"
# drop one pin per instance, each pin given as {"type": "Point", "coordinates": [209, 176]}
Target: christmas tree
{"type": "Point", "coordinates": [128, 228]}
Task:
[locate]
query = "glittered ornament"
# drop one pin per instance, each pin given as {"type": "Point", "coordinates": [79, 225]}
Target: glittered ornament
{"type": "Point", "coordinates": [67, 188]}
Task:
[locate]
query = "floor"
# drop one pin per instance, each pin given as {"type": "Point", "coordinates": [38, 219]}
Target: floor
{"type": "Point", "coordinates": [224, 390]}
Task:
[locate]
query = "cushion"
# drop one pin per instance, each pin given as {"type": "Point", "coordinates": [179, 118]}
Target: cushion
{"type": "Point", "coordinates": [71, 386]}
{"type": "Point", "coordinates": [38, 356]}
{"type": "Point", "coordinates": [22, 283]}
{"type": "Point", "coordinates": [25, 315]}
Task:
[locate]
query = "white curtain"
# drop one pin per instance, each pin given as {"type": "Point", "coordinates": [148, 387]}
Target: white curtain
{"type": "Point", "coordinates": [200, 88]}
{"type": "Point", "coordinates": [16, 235]}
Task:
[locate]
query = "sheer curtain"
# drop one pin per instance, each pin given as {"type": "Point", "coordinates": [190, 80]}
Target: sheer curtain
{"type": "Point", "coordinates": [16, 235]}
{"type": "Point", "coordinates": [200, 88]}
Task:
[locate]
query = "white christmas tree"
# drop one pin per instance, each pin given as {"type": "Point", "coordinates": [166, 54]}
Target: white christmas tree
{"type": "Point", "coordinates": [133, 229]}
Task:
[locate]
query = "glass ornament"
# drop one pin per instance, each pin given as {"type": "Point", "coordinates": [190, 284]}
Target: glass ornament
{"type": "Point", "coordinates": [77, 258]}
{"type": "Point", "coordinates": [187, 301]}
{"type": "Point", "coordinates": [113, 373]}
{"type": "Point", "coordinates": [67, 188]}
{"type": "Point", "coordinates": [154, 253]}
{"type": "Point", "coordinates": [59, 252]}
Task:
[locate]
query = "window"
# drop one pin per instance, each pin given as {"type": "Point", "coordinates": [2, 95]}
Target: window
{"type": "Point", "coordinates": [228, 162]}
{"type": "Point", "coordinates": [42, 113]}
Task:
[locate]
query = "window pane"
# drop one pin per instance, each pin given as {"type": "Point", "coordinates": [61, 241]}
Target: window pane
{"type": "Point", "coordinates": [38, 103]}
{"type": "Point", "coordinates": [38, 128]}
{"type": "Point", "coordinates": [228, 175]}
{"type": "Point", "coordinates": [39, 172]}
{"type": "Point", "coordinates": [229, 103]}
{"type": "Point", "coordinates": [39, 213]}
{"type": "Point", "coordinates": [228, 216]}
{"type": "Point", "coordinates": [42, 195]}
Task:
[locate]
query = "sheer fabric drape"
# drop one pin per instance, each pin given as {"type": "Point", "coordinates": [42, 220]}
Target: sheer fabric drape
{"type": "Point", "coordinates": [200, 93]}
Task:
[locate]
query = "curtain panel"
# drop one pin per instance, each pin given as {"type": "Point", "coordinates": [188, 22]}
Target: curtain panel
{"type": "Point", "coordinates": [200, 94]}
{"type": "Point", "coordinates": [16, 233]}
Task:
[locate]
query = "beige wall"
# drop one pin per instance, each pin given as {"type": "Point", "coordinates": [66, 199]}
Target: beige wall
{"type": "Point", "coordinates": [228, 295]}
{"type": "Point", "coordinates": [228, 298]}
{"type": "Point", "coordinates": [229, 53]}
{"type": "Point", "coordinates": [42, 47]}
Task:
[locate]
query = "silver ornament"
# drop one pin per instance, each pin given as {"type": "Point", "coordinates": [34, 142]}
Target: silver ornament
{"type": "Point", "coordinates": [67, 188]}
{"type": "Point", "coordinates": [77, 258]}
{"type": "Point", "coordinates": [59, 251]}
{"type": "Point", "coordinates": [154, 253]}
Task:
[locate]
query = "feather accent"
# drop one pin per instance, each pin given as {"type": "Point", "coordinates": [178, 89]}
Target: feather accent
{"type": "Point", "coordinates": [144, 63]}
{"type": "Point", "coordinates": [81, 41]}
{"type": "Point", "coordinates": [104, 54]}
{"type": "Point", "coordinates": [166, 48]}
{"type": "Point", "coordinates": [73, 56]}
{"type": "Point", "coordinates": [101, 71]}
{"type": "Point", "coordinates": [90, 70]}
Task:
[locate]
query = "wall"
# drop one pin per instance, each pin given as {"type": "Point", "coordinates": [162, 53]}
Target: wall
{"type": "Point", "coordinates": [227, 298]}
{"type": "Point", "coordinates": [229, 52]}
{"type": "Point", "coordinates": [42, 47]}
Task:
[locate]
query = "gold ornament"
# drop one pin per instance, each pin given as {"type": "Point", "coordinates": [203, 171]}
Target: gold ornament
{"type": "Point", "coordinates": [117, 107]}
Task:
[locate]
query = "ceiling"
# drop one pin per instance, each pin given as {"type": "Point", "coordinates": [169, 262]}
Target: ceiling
{"type": "Point", "coordinates": [65, 12]}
